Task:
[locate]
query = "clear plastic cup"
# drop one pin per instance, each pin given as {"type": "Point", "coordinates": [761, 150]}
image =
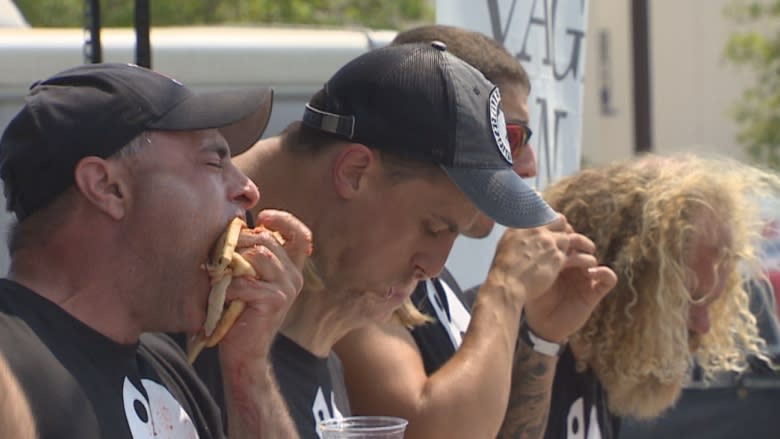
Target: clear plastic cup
{"type": "Point", "coordinates": [363, 427]}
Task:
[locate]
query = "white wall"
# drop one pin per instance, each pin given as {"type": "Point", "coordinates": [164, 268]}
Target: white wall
{"type": "Point", "coordinates": [693, 88]}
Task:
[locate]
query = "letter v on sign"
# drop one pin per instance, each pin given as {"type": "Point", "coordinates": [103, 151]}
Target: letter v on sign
{"type": "Point", "coordinates": [499, 32]}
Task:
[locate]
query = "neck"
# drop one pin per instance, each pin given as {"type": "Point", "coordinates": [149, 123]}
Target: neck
{"type": "Point", "coordinates": [297, 183]}
{"type": "Point", "coordinates": [319, 319]}
{"type": "Point", "coordinates": [286, 180]}
{"type": "Point", "coordinates": [84, 284]}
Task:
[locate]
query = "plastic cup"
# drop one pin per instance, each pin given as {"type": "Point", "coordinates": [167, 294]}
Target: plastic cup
{"type": "Point", "coordinates": [363, 427]}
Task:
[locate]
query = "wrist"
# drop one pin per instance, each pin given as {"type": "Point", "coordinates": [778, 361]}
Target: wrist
{"type": "Point", "coordinates": [242, 372]}
{"type": "Point", "coordinates": [503, 293]}
{"type": "Point", "coordinates": [538, 343]}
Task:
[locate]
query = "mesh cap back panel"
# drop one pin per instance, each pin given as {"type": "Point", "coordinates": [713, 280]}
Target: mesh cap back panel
{"type": "Point", "coordinates": [405, 109]}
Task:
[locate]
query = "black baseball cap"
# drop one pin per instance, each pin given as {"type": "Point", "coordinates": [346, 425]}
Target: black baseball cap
{"type": "Point", "coordinates": [96, 109]}
{"type": "Point", "coordinates": [420, 102]}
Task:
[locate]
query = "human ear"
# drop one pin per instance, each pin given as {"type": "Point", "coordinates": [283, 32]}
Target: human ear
{"type": "Point", "coordinates": [102, 183]}
{"type": "Point", "coordinates": [350, 168]}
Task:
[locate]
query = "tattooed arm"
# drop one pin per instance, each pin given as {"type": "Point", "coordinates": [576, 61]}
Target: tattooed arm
{"type": "Point", "coordinates": [554, 316]}
{"type": "Point", "coordinates": [529, 398]}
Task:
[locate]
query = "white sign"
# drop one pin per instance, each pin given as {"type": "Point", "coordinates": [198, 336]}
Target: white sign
{"type": "Point", "coordinates": [548, 38]}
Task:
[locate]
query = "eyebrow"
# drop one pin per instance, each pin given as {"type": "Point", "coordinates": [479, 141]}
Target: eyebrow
{"type": "Point", "coordinates": [213, 145]}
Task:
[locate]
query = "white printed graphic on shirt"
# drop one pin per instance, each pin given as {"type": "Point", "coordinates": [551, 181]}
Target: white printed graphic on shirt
{"type": "Point", "coordinates": [575, 422]}
{"type": "Point", "coordinates": [455, 326]}
{"type": "Point", "coordinates": [321, 411]}
{"type": "Point", "coordinates": [159, 417]}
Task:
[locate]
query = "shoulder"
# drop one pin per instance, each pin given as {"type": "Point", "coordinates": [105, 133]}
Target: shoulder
{"type": "Point", "coordinates": [170, 364]}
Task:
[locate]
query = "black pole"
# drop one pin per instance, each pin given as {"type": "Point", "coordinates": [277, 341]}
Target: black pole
{"type": "Point", "coordinates": [93, 50]}
{"type": "Point", "coordinates": [143, 50]}
{"type": "Point", "coordinates": [643, 122]}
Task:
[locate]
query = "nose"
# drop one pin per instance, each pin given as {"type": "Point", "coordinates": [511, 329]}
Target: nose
{"type": "Point", "coordinates": [430, 262]}
{"type": "Point", "coordinates": [699, 319]}
{"type": "Point", "coordinates": [242, 190]}
{"type": "Point", "coordinates": [524, 160]}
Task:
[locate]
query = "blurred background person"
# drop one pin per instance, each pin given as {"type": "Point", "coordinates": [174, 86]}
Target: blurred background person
{"type": "Point", "coordinates": [683, 234]}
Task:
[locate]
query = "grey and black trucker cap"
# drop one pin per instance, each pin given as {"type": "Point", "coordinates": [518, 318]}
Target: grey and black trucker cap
{"type": "Point", "coordinates": [96, 109]}
{"type": "Point", "coordinates": [418, 101]}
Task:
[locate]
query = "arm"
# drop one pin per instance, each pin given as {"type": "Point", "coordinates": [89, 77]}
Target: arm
{"type": "Point", "coordinates": [254, 406]}
{"type": "Point", "coordinates": [529, 399]}
{"type": "Point", "coordinates": [468, 396]}
{"type": "Point", "coordinates": [553, 316]}
{"type": "Point", "coordinates": [463, 399]}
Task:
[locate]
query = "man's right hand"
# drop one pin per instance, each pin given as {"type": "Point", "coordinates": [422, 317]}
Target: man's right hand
{"type": "Point", "coordinates": [253, 402]}
{"type": "Point", "coordinates": [269, 297]}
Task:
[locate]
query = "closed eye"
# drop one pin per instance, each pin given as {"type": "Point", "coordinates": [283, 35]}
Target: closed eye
{"type": "Point", "coordinates": [217, 156]}
{"type": "Point", "coordinates": [437, 229]}
{"type": "Point", "coordinates": [432, 230]}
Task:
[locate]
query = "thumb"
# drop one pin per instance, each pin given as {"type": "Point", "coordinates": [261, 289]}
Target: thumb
{"type": "Point", "coordinates": [603, 280]}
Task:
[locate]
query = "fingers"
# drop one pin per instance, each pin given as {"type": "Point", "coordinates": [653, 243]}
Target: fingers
{"type": "Point", "coordinates": [581, 252]}
{"type": "Point", "coordinates": [298, 238]}
{"type": "Point", "coordinates": [273, 265]}
{"type": "Point", "coordinates": [602, 281]}
{"type": "Point", "coordinates": [261, 296]}
{"type": "Point", "coordinates": [253, 332]}
{"type": "Point", "coordinates": [580, 260]}
{"type": "Point", "coordinates": [580, 243]}
{"type": "Point", "coordinates": [604, 278]}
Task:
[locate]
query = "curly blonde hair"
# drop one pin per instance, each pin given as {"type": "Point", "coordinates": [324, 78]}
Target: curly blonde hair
{"type": "Point", "coordinates": [644, 216]}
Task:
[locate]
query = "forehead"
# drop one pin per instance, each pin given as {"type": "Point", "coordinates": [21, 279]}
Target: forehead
{"type": "Point", "coordinates": [195, 140]}
{"type": "Point", "coordinates": [710, 243]}
{"type": "Point", "coordinates": [711, 231]}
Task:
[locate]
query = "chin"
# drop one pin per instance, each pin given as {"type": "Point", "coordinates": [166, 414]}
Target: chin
{"type": "Point", "coordinates": [380, 309]}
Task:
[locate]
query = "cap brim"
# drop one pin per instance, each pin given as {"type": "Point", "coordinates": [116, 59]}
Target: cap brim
{"type": "Point", "coordinates": [503, 196]}
{"type": "Point", "coordinates": [240, 115]}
